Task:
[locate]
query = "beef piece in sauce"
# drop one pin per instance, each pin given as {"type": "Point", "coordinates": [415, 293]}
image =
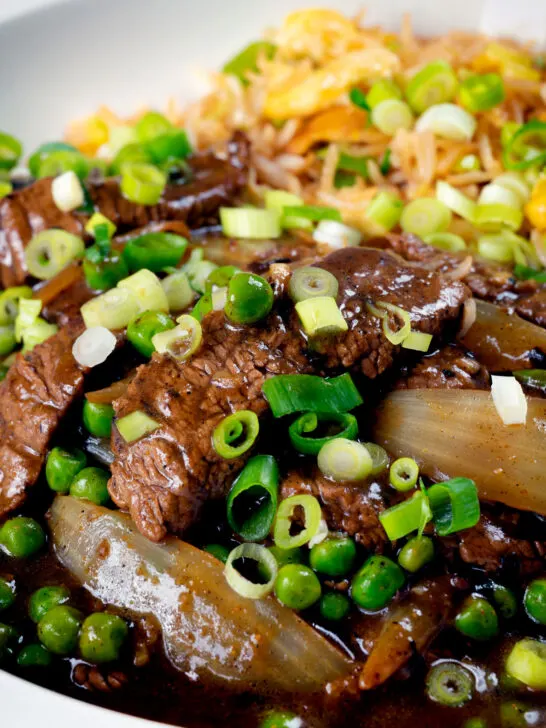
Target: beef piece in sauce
{"type": "Point", "coordinates": [35, 395]}
{"type": "Point", "coordinates": [164, 478]}
{"type": "Point", "coordinates": [487, 280]}
{"type": "Point", "coordinates": [450, 368]}
{"type": "Point", "coordinates": [29, 211]}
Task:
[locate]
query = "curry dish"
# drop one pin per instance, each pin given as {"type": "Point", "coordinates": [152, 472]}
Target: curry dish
{"type": "Point", "coordinates": [273, 398]}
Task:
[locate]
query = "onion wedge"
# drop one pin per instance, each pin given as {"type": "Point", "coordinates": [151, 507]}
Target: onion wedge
{"type": "Point", "coordinates": [408, 627]}
{"type": "Point", "coordinates": [503, 341]}
{"type": "Point", "coordinates": [459, 433]}
{"type": "Point", "coordinates": [210, 632]}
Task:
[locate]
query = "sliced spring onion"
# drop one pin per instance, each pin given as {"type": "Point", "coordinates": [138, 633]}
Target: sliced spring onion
{"type": "Point", "coordinates": [246, 60]}
{"type": "Point", "coordinates": [516, 182]}
{"type": "Point", "coordinates": [447, 121]}
{"type": "Point", "coordinates": [198, 270]}
{"type": "Point", "coordinates": [342, 459]}
{"type": "Point", "coordinates": [468, 163]}
{"type": "Point", "coordinates": [349, 163]}
{"type": "Point", "coordinates": [315, 213]}
{"type": "Point", "coordinates": [481, 92]}
{"type": "Point", "coordinates": [220, 277]}
{"type": "Point", "coordinates": [6, 188]}
{"type": "Point", "coordinates": [446, 241]}
{"type": "Point", "coordinates": [391, 115]}
{"type": "Point", "coordinates": [283, 522]}
{"type": "Point", "coordinates": [291, 393]}
{"type": "Point", "coordinates": [509, 400]}
{"type": "Point", "coordinates": [321, 316]}
{"type": "Point", "coordinates": [382, 309]}
{"type": "Point", "coordinates": [113, 309]}
{"type": "Point", "coordinates": [252, 501]}
{"type": "Point", "coordinates": [383, 90]}
{"type": "Point", "coordinates": [385, 162]}
{"type": "Point", "coordinates": [36, 333]}
{"type": "Point", "coordinates": [7, 342]}
{"type": "Point", "coordinates": [151, 125]}
{"type": "Point", "coordinates": [178, 290]}
{"type": "Point", "coordinates": [142, 183]}
{"type": "Point", "coordinates": [347, 426]}
{"type": "Point", "coordinates": [154, 251]}
{"type": "Point", "coordinates": [236, 434]}
{"type": "Point", "coordinates": [312, 282]}
{"type": "Point", "coordinates": [266, 564]}
{"type": "Point", "coordinates": [385, 210]}
{"type": "Point", "coordinates": [496, 247]}
{"type": "Point", "coordinates": [359, 99]}
{"type": "Point", "coordinates": [524, 273]}
{"type": "Point", "coordinates": [148, 290]}
{"type": "Point", "coordinates": [336, 234]}
{"type": "Point", "coordinates": [250, 222]}
{"type": "Point", "coordinates": [492, 218]}
{"type": "Point", "coordinates": [182, 341]}
{"type": "Point", "coordinates": [495, 193]}
{"type": "Point", "coordinates": [49, 251]}
{"type": "Point", "coordinates": [169, 147]}
{"type": "Point", "coordinates": [10, 151]}
{"type": "Point", "coordinates": [425, 216]}
{"type": "Point", "coordinates": [94, 346]}
{"type": "Point", "coordinates": [380, 458]}
{"type": "Point", "coordinates": [456, 201]}
{"type": "Point", "coordinates": [219, 299]}
{"type": "Point", "coordinates": [530, 137]}
{"type": "Point", "coordinates": [9, 303]}
{"type": "Point", "coordinates": [98, 219]}
{"type": "Point", "coordinates": [527, 663]}
{"type": "Point", "coordinates": [277, 200]}
{"type": "Point", "coordinates": [417, 341]}
{"type": "Point", "coordinates": [455, 505]}
{"type": "Point", "coordinates": [450, 684]}
{"type": "Point", "coordinates": [67, 191]}
{"type": "Point", "coordinates": [136, 425]}
{"type": "Point", "coordinates": [202, 307]}
{"type": "Point", "coordinates": [27, 314]}
{"type": "Point", "coordinates": [120, 136]}
{"type": "Point", "coordinates": [403, 474]}
{"type": "Point", "coordinates": [436, 83]}
{"type": "Point", "coordinates": [406, 517]}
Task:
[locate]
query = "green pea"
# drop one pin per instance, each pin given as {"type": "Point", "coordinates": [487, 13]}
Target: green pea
{"type": "Point", "coordinates": [8, 635]}
{"type": "Point", "coordinates": [535, 600]}
{"type": "Point", "coordinates": [92, 485]}
{"type": "Point", "coordinates": [102, 636]}
{"type": "Point", "coordinates": [218, 551]}
{"type": "Point", "coordinates": [376, 583]}
{"type": "Point", "coordinates": [62, 466]}
{"type": "Point", "coordinates": [515, 714]}
{"type": "Point", "coordinates": [475, 723]}
{"type": "Point", "coordinates": [287, 556]}
{"type": "Point", "coordinates": [97, 418]}
{"type": "Point", "coordinates": [22, 537]}
{"type": "Point", "coordinates": [142, 329]}
{"type": "Point", "coordinates": [34, 655]}
{"type": "Point", "coordinates": [505, 601]}
{"type": "Point", "coordinates": [477, 620]}
{"type": "Point", "coordinates": [297, 586]}
{"type": "Point", "coordinates": [334, 606]}
{"type": "Point", "coordinates": [7, 594]}
{"type": "Point", "coordinates": [249, 298]}
{"type": "Point", "coordinates": [333, 557]}
{"type": "Point", "coordinates": [59, 629]}
{"type": "Point", "coordinates": [417, 552]}
{"type": "Point", "coordinates": [44, 599]}
{"type": "Point", "coordinates": [278, 719]}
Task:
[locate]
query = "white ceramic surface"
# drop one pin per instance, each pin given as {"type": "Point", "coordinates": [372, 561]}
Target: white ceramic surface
{"type": "Point", "coordinates": [62, 61]}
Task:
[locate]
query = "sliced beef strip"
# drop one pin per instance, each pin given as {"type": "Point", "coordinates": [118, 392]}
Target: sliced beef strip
{"type": "Point", "coordinates": [450, 368]}
{"type": "Point", "coordinates": [37, 391]}
{"type": "Point", "coordinates": [164, 478]}
{"type": "Point", "coordinates": [349, 507]}
{"type": "Point", "coordinates": [31, 210]}
{"type": "Point", "coordinates": [487, 280]}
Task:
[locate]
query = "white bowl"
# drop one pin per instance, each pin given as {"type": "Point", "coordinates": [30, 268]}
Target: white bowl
{"type": "Point", "coordinates": [62, 61]}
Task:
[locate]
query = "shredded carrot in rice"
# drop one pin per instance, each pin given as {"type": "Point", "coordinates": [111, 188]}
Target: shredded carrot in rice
{"type": "Point", "coordinates": [297, 104]}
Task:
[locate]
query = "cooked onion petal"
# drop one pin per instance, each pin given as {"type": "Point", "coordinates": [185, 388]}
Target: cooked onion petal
{"type": "Point", "coordinates": [408, 626]}
{"type": "Point", "coordinates": [503, 341]}
{"type": "Point", "coordinates": [459, 433]}
{"type": "Point", "coordinates": [210, 632]}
